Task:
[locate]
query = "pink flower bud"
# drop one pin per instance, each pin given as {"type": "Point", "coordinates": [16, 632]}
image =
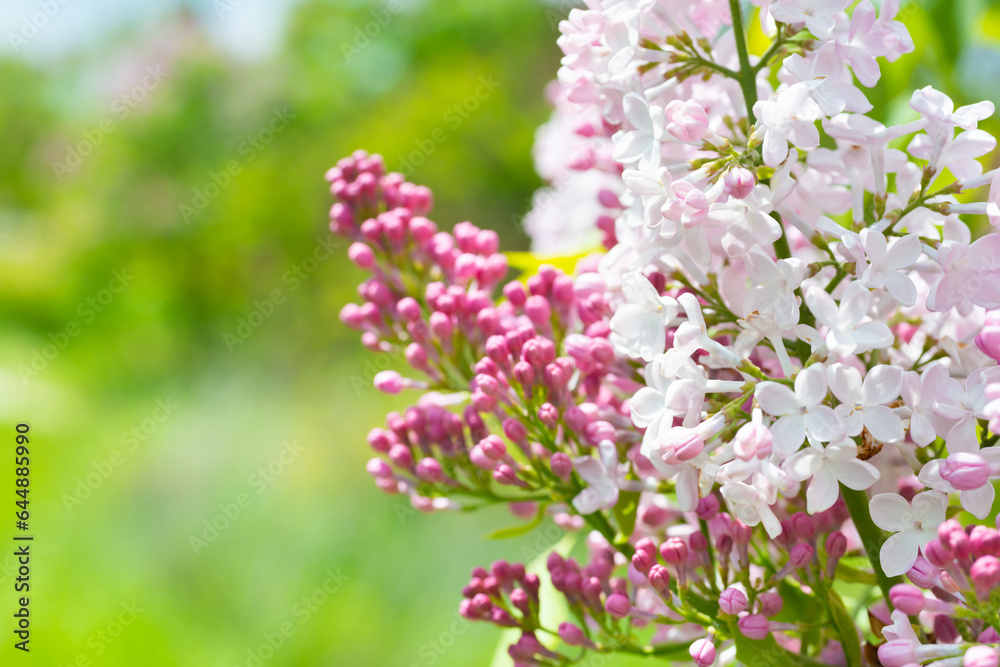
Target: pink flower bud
{"type": "Point", "coordinates": [988, 340]}
{"type": "Point", "coordinates": [514, 292]}
{"type": "Point", "coordinates": [905, 331]}
{"type": "Point", "coordinates": [643, 560]}
{"type": "Point", "coordinates": [686, 120]}
{"type": "Point", "coordinates": [741, 532]}
{"type": "Point", "coordinates": [938, 554]}
{"type": "Point", "coordinates": [707, 507]}
{"type": "Point", "coordinates": [985, 572]}
{"type": "Point", "coordinates": [803, 525]}
{"type": "Point", "coordinates": [618, 605]}
{"type": "Point", "coordinates": [381, 440]}
{"type": "Point", "coordinates": [985, 541]}
{"type": "Point", "coordinates": [739, 182]}
{"type": "Point", "coordinates": [416, 356]}
{"type": "Point", "coordinates": [429, 470]}
{"type": "Point", "coordinates": [680, 444]}
{"type": "Point", "coordinates": [981, 656]}
{"type": "Point", "coordinates": [923, 574]}
{"type": "Point", "coordinates": [945, 631]}
{"type": "Point", "coordinates": [802, 554]}
{"type": "Point", "coordinates": [753, 626]}
{"type": "Point", "coordinates": [653, 515]}
{"type": "Point", "coordinates": [647, 544]}
{"type": "Point", "coordinates": [524, 373]}
{"type": "Point", "coordinates": [525, 509]}
{"type": "Point", "coordinates": [697, 541]}
{"type": "Point", "coordinates": [378, 468]}
{"type": "Point", "coordinates": [836, 545]}
{"type": "Point", "coordinates": [562, 465]}
{"type": "Point", "coordinates": [401, 456]}
{"type": "Point", "coordinates": [572, 635]}
{"type": "Point", "coordinates": [770, 603]}
{"type": "Point", "coordinates": [753, 439]}
{"type": "Point", "coordinates": [440, 325]}
{"type": "Point", "coordinates": [352, 316]}
{"type": "Point", "coordinates": [733, 601]}
{"type": "Point", "coordinates": [515, 431]}
{"type": "Point", "coordinates": [674, 551]}
{"type": "Point", "coordinates": [548, 414]}
{"type": "Point", "coordinates": [960, 544]}
{"type": "Point", "coordinates": [493, 447]}
{"type": "Point", "coordinates": [988, 636]}
{"type": "Point", "coordinates": [361, 255]}
{"type": "Point", "coordinates": [598, 431]}
{"type": "Point", "coordinates": [538, 310]}
{"type": "Point", "coordinates": [897, 653]}
{"type": "Point", "coordinates": [480, 459]}
{"type": "Point", "coordinates": [965, 472]}
{"type": "Point", "coordinates": [908, 598]}
{"type": "Point", "coordinates": [554, 378]}
{"type": "Point", "coordinates": [520, 600]}
{"type": "Point", "coordinates": [504, 474]}
{"type": "Point", "coordinates": [659, 578]}
{"type": "Point", "coordinates": [702, 652]}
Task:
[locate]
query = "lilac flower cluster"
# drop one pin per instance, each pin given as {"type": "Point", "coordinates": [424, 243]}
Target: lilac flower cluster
{"type": "Point", "coordinates": [770, 387]}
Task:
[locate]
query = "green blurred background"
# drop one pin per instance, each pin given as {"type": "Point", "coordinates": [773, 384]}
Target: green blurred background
{"type": "Point", "coordinates": [152, 413]}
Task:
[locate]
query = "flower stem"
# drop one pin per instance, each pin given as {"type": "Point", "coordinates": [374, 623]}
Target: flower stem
{"type": "Point", "coordinates": [748, 78]}
{"type": "Point", "coordinates": [871, 537]}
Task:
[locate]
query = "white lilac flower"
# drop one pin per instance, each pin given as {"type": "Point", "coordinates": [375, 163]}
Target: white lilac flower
{"type": "Point", "coordinates": [864, 404]}
{"type": "Point", "coordinates": [847, 332]}
{"type": "Point", "coordinates": [913, 525]}
{"type": "Point", "coordinates": [830, 466]}
{"type": "Point", "coordinates": [801, 413]}
{"type": "Point", "coordinates": [639, 326]}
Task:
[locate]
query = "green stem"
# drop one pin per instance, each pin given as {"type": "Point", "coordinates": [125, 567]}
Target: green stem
{"type": "Point", "coordinates": [871, 537]}
{"type": "Point", "coordinates": [748, 79]}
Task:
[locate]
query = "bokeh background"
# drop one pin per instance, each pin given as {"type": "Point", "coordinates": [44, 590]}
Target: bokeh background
{"type": "Point", "coordinates": [161, 181]}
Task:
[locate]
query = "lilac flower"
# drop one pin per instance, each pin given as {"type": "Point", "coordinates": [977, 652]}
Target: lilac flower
{"type": "Point", "coordinates": [789, 116]}
{"type": "Point", "coordinates": [817, 15]}
{"type": "Point", "coordinates": [847, 333]}
{"type": "Point", "coordinates": [639, 326]}
{"type": "Point", "coordinates": [801, 412]}
{"type": "Point", "coordinates": [828, 467]}
{"type": "Point", "coordinates": [913, 525]}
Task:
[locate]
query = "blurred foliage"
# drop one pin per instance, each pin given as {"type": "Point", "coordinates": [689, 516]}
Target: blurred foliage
{"type": "Point", "coordinates": [299, 375]}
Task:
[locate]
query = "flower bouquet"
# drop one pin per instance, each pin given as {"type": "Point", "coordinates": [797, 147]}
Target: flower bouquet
{"type": "Point", "coordinates": [758, 378]}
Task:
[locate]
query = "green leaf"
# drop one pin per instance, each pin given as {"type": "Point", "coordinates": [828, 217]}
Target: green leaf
{"type": "Point", "coordinates": [764, 652]}
{"type": "Point", "coordinates": [521, 529]}
{"type": "Point", "coordinates": [679, 652]}
{"type": "Point", "coordinates": [625, 511]}
{"type": "Point", "coordinates": [853, 575]}
{"type": "Point", "coordinates": [798, 604]}
{"type": "Point", "coordinates": [846, 628]}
